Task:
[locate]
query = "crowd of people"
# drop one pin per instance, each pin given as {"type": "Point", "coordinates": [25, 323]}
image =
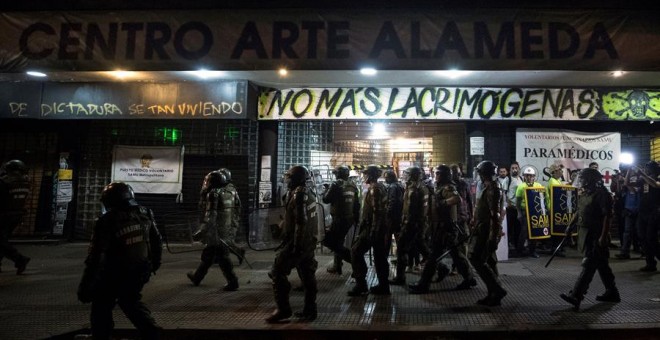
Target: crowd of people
{"type": "Point", "coordinates": [435, 219]}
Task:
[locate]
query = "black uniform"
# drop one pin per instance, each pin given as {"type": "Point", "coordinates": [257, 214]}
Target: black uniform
{"type": "Point", "coordinates": [394, 210]}
{"type": "Point", "coordinates": [14, 190]}
{"type": "Point", "coordinates": [415, 210]}
{"type": "Point", "coordinates": [594, 210]}
{"type": "Point", "coordinates": [125, 249]}
{"type": "Point", "coordinates": [648, 217]}
{"type": "Point", "coordinates": [218, 231]}
{"type": "Point", "coordinates": [343, 197]}
{"type": "Point", "coordinates": [373, 233]}
{"type": "Point", "coordinates": [296, 251]}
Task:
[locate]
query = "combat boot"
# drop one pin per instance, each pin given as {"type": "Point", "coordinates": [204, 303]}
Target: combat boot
{"type": "Point", "coordinates": [278, 315]}
{"type": "Point", "coordinates": [466, 284]}
{"type": "Point", "coordinates": [308, 313]}
{"type": "Point", "coordinates": [418, 288]}
{"type": "Point", "coordinates": [610, 295]}
{"type": "Point", "coordinates": [380, 289]}
{"type": "Point", "coordinates": [573, 300]}
{"type": "Point", "coordinates": [21, 264]}
{"type": "Point", "coordinates": [191, 277]}
{"type": "Point", "coordinates": [231, 286]}
{"type": "Point", "coordinates": [359, 290]}
{"type": "Point", "coordinates": [334, 269]}
{"type": "Point", "coordinates": [398, 281]}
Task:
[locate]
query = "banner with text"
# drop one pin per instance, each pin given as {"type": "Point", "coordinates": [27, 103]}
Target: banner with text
{"type": "Point", "coordinates": [571, 150]}
{"type": "Point", "coordinates": [149, 169]}
{"type": "Point", "coordinates": [339, 39]}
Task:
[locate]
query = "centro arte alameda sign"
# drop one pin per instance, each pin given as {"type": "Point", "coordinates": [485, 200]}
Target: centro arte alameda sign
{"type": "Point", "coordinates": [459, 103]}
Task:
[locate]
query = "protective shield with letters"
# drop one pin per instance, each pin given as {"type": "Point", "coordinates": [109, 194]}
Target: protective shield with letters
{"type": "Point", "coordinates": [564, 207]}
{"type": "Point", "coordinates": [538, 218]}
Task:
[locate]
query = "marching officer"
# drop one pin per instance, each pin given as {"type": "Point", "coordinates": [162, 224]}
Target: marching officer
{"type": "Point", "coordinates": [14, 190]}
{"type": "Point", "coordinates": [593, 222]}
{"type": "Point", "coordinates": [415, 208]}
{"type": "Point", "coordinates": [487, 234]}
{"type": "Point", "coordinates": [125, 249]}
{"type": "Point", "coordinates": [217, 230]}
{"type": "Point", "coordinates": [447, 233]}
{"type": "Point", "coordinates": [394, 208]}
{"type": "Point", "coordinates": [373, 234]}
{"type": "Point", "coordinates": [297, 248]}
{"type": "Point", "coordinates": [343, 197]}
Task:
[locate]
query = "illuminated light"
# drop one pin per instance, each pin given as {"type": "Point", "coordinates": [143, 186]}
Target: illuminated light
{"type": "Point", "coordinates": [206, 74]}
{"type": "Point", "coordinates": [283, 72]}
{"type": "Point", "coordinates": [170, 135]}
{"type": "Point", "coordinates": [35, 74]}
{"type": "Point", "coordinates": [121, 74]}
{"type": "Point", "coordinates": [626, 158]}
{"type": "Point", "coordinates": [379, 131]}
{"type": "Point", "coordinates": [231, 132]}
{"type": "Point", "coordinates": [368, 71]}
{"type": "Point", "coordinates": [452, 74]}
{"type": "Point", "coordinates": [618, 73]}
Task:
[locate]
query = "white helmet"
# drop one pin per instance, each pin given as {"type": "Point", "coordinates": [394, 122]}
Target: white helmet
{"type": "Point", "coordinates": [529, 171]}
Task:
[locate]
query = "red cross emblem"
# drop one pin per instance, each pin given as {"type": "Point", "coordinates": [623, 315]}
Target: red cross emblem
{"type": "Point", "coordinates": [607, 177]}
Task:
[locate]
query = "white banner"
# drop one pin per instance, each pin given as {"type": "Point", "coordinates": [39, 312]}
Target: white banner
{"type": "Point", "coordinates": [149, 169]}
{"type": "Point", "coordinates": [574, 150]}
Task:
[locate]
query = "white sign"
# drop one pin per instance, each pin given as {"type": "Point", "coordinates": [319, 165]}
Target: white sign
{"type": "Point", "coordinates": [573, 150]}
{"type": "Point", "coordinates": [477, 146]}
{"type": "Point", "coordinates": [265, 192]}
{"type": "Point", "coordinates": [149, 169]}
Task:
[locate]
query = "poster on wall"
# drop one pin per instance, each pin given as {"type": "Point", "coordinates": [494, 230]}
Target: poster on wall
{"type": "Point", "coordinates": [149, 169]}
{"type": "Point", "coordinates": [571, 150]}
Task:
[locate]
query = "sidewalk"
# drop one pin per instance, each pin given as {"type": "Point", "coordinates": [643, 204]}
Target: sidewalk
{"type": "Point", "coordinates": [42, 303]}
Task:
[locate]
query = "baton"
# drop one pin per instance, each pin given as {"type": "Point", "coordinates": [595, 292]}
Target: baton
{"type": "Point", "coordinates": [233, 251]}
{"type": "Point", "coordinates": [554, 253]}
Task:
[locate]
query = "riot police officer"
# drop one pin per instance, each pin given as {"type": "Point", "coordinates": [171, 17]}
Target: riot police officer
{"type": "Point", "coordinates": [343, 197]}
{"type": "Point", "coordinates": [125, 249]}
{"type": "Point", "coordinates": [14, 190]}
{"type": "Point", "coordinates": [297, 248]}
{"type": "Point", "coordinates": [236, 215]}
{"type": "Point", "coordinates": [394, 210]}
{"type": "Point", "coordinates": [487, 234]}
{"type": "Point", "coordinates": [373, 233]}
{"type": "Point", "coordinates": [415, 209]}
{"type": "Point", "coordinates": [447, 232]}
{"type": "Point", "coordinates": [217, 230]}
{"type": "Point", "coordinates": [593, 222]}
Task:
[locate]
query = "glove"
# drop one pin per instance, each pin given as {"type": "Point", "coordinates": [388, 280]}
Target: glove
{"type": "Point", "coordinates": [84, 294]}
{"type": "Point", "coordinates": [198, 235]}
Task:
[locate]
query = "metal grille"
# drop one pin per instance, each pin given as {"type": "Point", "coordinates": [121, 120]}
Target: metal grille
{"type": "Point", "coordinates": [209, 145]}
{"type": "Point", "coordinates": [37, 149]}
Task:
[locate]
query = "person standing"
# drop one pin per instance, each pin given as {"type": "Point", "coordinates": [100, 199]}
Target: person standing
{"type": "Point", "coordinates": [593, 222]}
{"type": "Point", "coordinates": [529, 176]}
{"type": "Point", "coordinates": [448, 232]}
{"type": "Point", "coordinates": [125, 249]}
{"type": "Point", "coordinates": [297, 248]}
{"type": "Point", "coordinates": [487, 233]}
{"type": "Point", "coordinates": [649, 214]}
{"type": "Point", "coordinates": [629, 196]}
{"type": "Point", "coordinates": [14, 191]}
{"type": "Point", "coordinates": [235, 216]}
{"type": "Point", "coordinates": [415, 208]}
{"type": "Point", "coordinates": [373, 234]}
{"type": "Point", "coordinates": [217, 231]}
{"type": "Point", "coordinates": [343, 197]}
{"type": "Point", "coordinates": [512, 222]}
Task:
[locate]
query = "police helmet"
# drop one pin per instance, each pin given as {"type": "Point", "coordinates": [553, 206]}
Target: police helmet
{"type": "Point", "coordinates": [14, 165]}
{"type": "Point", "coordinates": [589, 179]}
{"type": "Point", "coordinates": [227, 174]}
{"type": "Point", "coordinates": [444, 172]}
{"type": "Point", "coordinates": [118, 194]}
{"type": "Point", "coordinates": [373, 172]}
{"type": "Point", "coordinates": [487, 169]}
{"type": "Point", "coordinates": [390, 176]}
{"type": "Point", "coordinates": [341, 172]}
{"type": "Point", "coordinates": [652, 168]}
{"type": "Point", "coordinates": [216, 179]}
{"type": "Point", "coordinates": [414, 173]}
{"type": "Point", "coordinates": [529, 171]}
{"type": "Point", "coordinates": [297, 176]}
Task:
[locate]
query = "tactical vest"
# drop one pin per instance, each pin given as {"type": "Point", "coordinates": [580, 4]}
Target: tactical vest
{"type": "Point", "coordinates": [415, 204]}
{"type": "Point", "coordinates": [590, 208]}
{"type": "Point", "coordinates": [489, 200]}
{"type": "Point", "coordinates": [130, 236]}
{"type": "Point", "coordinates": [373, 208]}
{"type": "Point", "coordinates": [443, 213]}
{"type": "Point", "coordinates": [14, 190]}
{"type": "Point", "coordinates": [300, 217]}
{"type": "Point", "coordinates": [344, 204]}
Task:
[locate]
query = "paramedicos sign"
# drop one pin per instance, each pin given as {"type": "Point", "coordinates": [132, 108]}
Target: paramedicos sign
{"type": "Point", "coordinates": [486, 39]}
